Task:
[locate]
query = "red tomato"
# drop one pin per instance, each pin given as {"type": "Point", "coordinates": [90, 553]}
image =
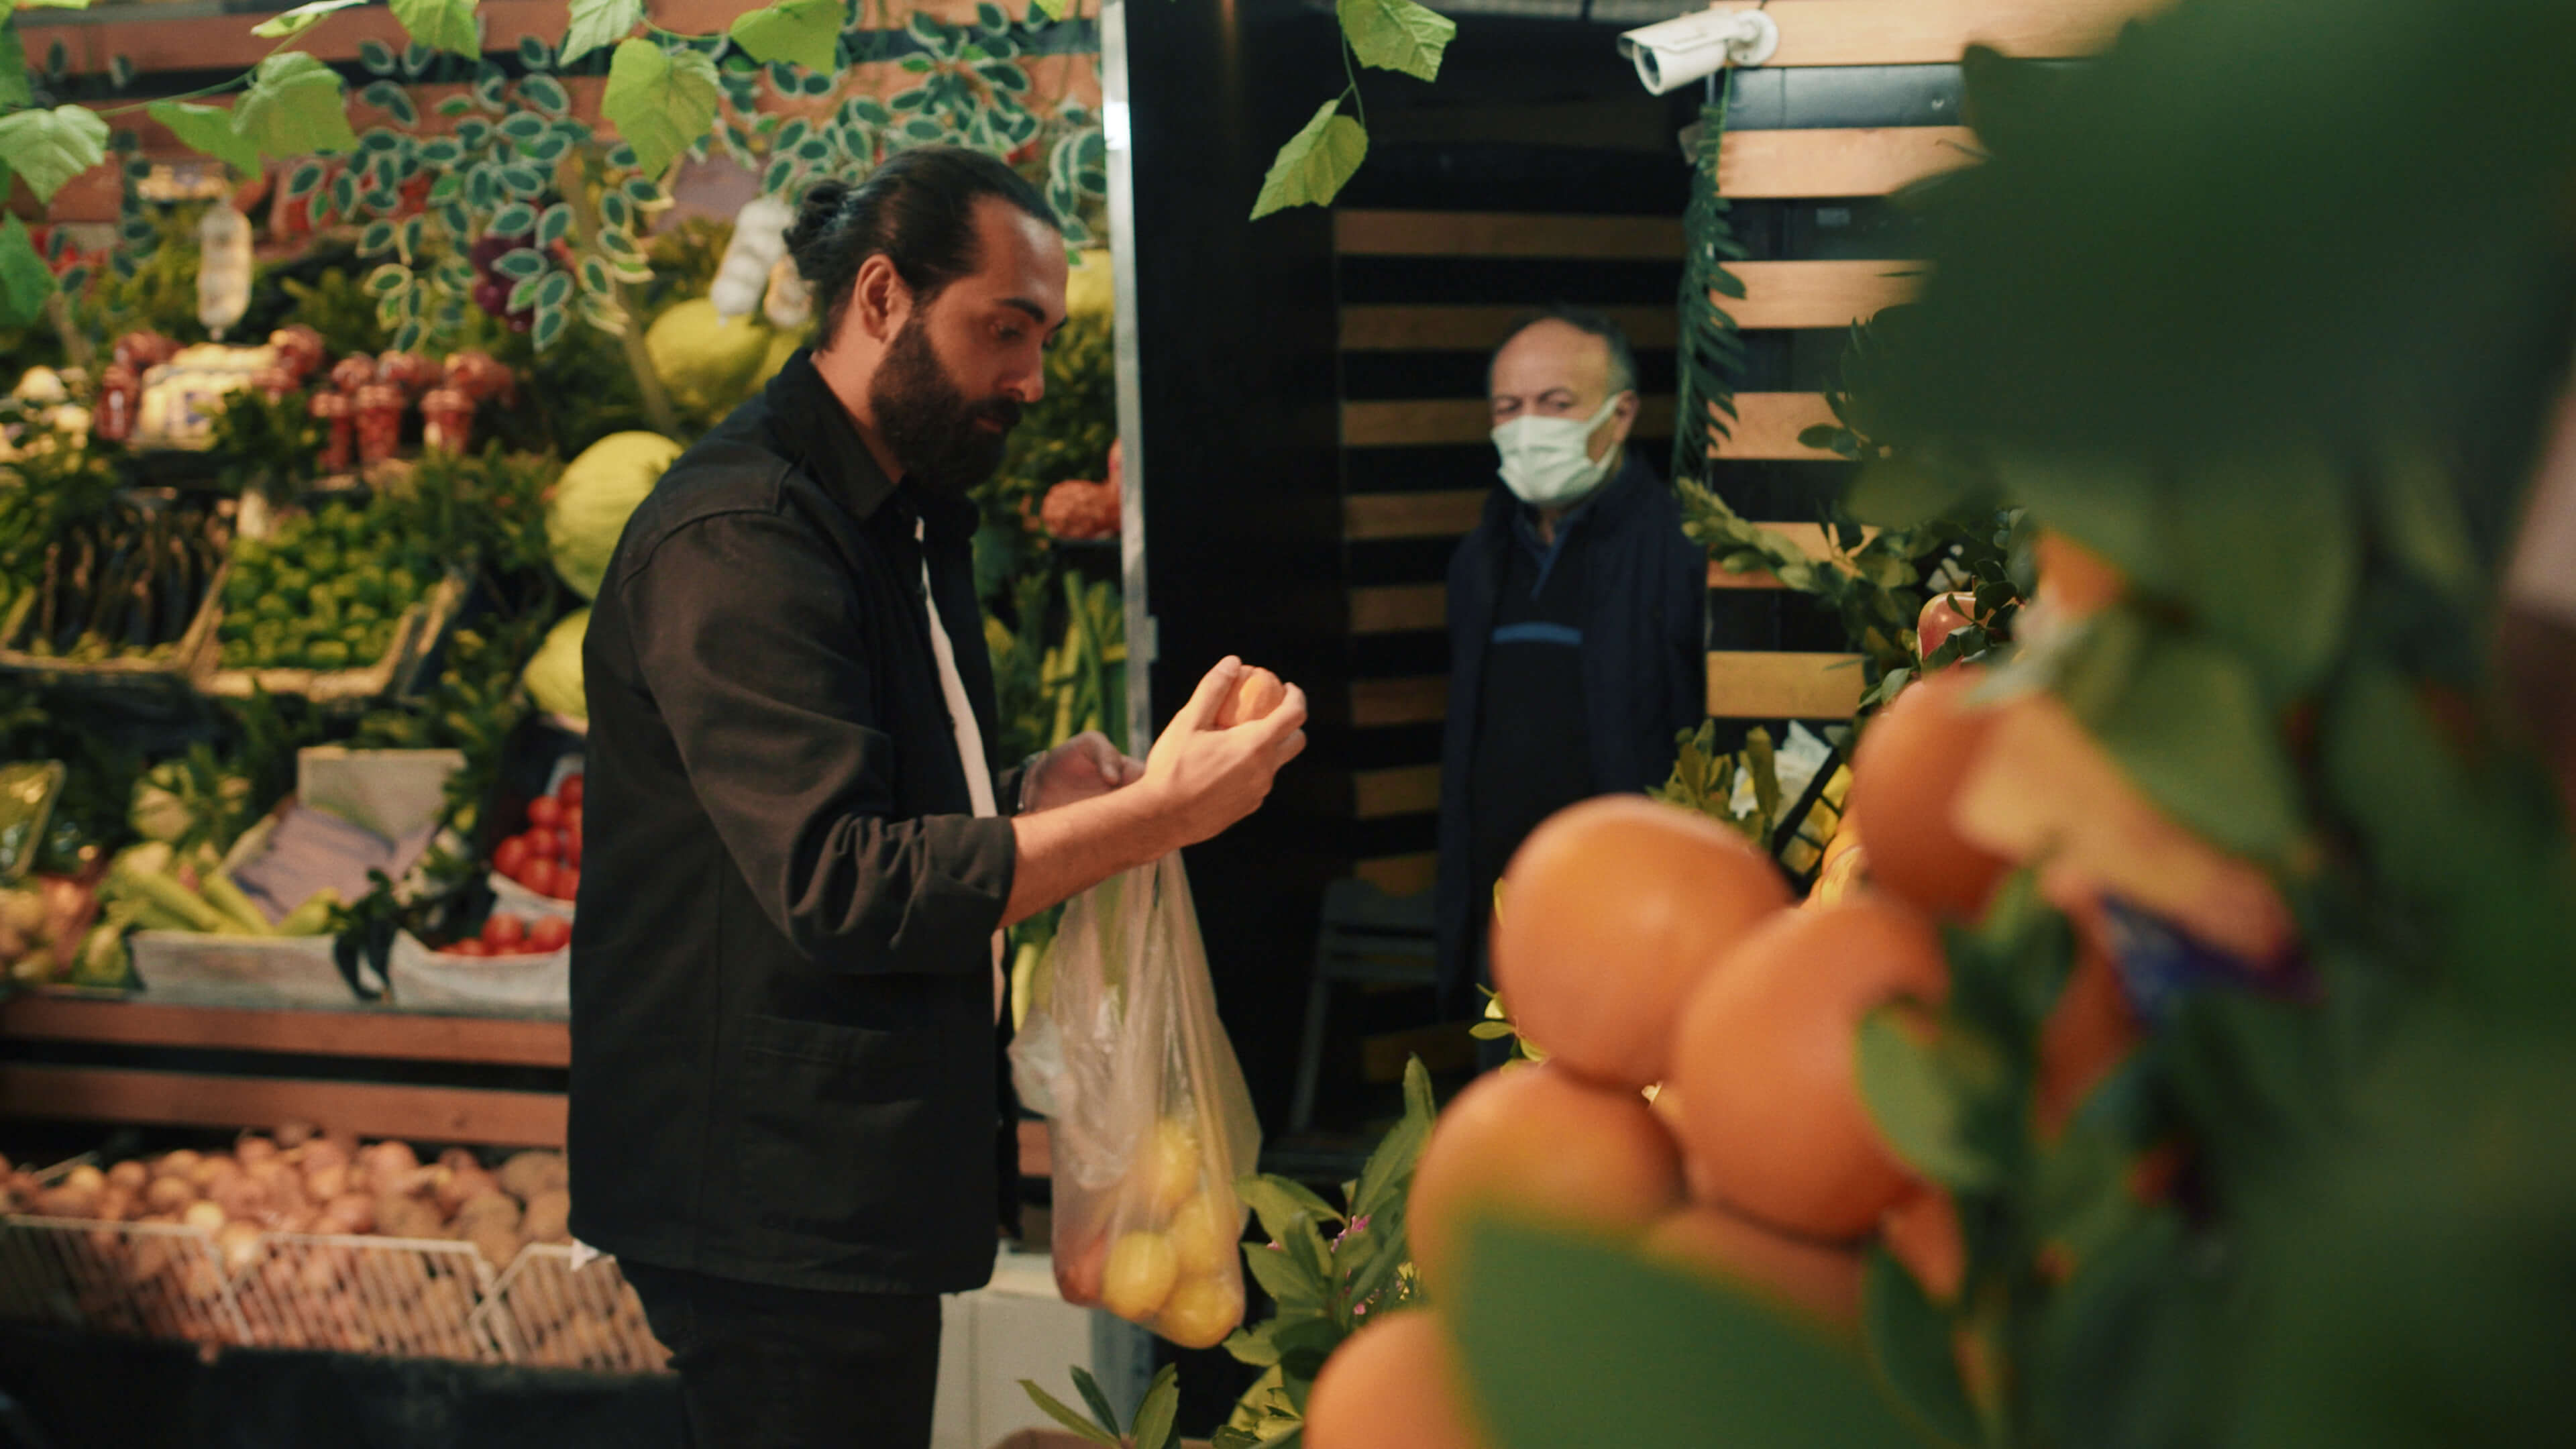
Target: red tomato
{"type": "Point", "coordinates": [571, 817]}
{"type": "Point", "coordinates": [569, 791]}
{"type": "Point", "coordinates": [469, 947]}
{"type": "Point", "coordinates": [544, 844]}
{"type": "Point", "coordinates": [567, 884]}
{"type": "Point", "coordinates": [510, 857]}
{"type": "Point", "coordinates": [539, 877]}
{"type": "Point", "coordinates": [549, 933]}
{"type": "Point", "coordinates": [545, 812]}
{"type": "Point", "coordinates": [504, 933]}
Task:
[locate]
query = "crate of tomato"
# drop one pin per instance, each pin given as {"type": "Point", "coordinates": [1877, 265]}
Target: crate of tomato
{"type": "Point", "coordinates": [537, 872]}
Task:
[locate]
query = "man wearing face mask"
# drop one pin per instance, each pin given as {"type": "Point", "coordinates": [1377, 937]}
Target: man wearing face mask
{"type": "Point", "coordinates": [1576, 622]}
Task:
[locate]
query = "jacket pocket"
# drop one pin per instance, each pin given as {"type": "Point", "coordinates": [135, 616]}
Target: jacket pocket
{"type": "Point", "coordinates": [831, 1120]}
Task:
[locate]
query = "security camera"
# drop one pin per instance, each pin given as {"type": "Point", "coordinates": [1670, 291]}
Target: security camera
{"type": "Point", "coordinates": [1673, 53]}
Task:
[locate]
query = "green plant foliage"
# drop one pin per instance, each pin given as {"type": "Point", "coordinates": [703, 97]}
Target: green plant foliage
{"type": "Point", "coordinates": [49, 147]}
{"type": "Point", "coordinates": [25, 280]}
{"type": "Point", "coordinates": [209, 129]}
{"type": "Point", "coordinates": [661, 101]}
{"type": "Point", "coordinates": [1397, 35]}
{"type": "Point", "coordinates": [598, 24]}
{"type": "Point", "coordinates": [446, 25]}
{"type": "Point", "coordinates": [799, 32]}
{"type": "Point", "coordinates": [1710, 351]}
{"type": "Point", "coordinates": [1315, 164]}
{"type": "Point", "coordinates": [294, 108]}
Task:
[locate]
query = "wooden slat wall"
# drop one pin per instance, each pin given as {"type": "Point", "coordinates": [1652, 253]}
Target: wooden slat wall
{"type": "Point", "coordinates": [1874, 161]}
{"type": "Point", "coordinates": [1917, 32]}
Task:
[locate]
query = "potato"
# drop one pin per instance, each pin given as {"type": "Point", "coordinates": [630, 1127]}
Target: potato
{"type": "Point", "coordinates": [398, 1216]}
{"type": "Point", "coordinates": [240, 1199]}
{"type": "Point", "coordinates": [495, 1206]}
{"type": "Point", "coordinates": [169, 1194]}
{"type": "Point", "coordinates": [496, 1241]}
{"type": "Point", "coordinates": [254, 1148]}
{"type": "Point", "coordinates": [391, 1157]}
{"type": "Point", "coordinates": [210, 1172]}
{"type": "Point", "coordinates": [296, 1134]}
{"type": "Point", "coordinates": [206, 1217]}
{"type": "Point", "coordinates": [130, 1174]}
{"type": "Point", "coordinates": [322, 1154]}
{"type": "Point", "coordinates": [182, 1162]}
{"type": "Point", "coordinates": [86, 1179]}
{"type": "Point", "coordinates": [528, 1174]}
{"type": "Point", "coordinates": [240, 1245]}
{"type": "Point", "coordinates": [349, 1212]}
{"type": "Point", "coordinates": [460, 1186]}
{"type": "Point", "coordinates": [325, 1183]}
{"type": "Point", "coordinates": [549, 1217]}
{"type": "Point", "coordinates": [116, 1204]}
{"type": "Point", "coordinates": [65, 1202]}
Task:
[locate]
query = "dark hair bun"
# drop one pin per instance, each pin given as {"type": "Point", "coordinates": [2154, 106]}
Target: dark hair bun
{"type": "Point", "coordinates": [815, 213]}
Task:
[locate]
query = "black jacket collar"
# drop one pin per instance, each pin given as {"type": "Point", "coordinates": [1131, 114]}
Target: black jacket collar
{"type": "Point", "coordinates": [816, 432]}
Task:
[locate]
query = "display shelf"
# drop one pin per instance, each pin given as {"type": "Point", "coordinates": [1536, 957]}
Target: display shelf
{"type": "Point", "coordinates": [358, 1032]}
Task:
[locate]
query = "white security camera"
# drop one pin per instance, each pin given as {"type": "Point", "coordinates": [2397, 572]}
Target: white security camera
{"type": "Point", "coordinates": [1673, 53]}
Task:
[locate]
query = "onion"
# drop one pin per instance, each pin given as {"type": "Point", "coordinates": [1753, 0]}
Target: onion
{"type": "Point", "coordinates": [459, 1188]}
{"type": "Point", "coordinates": [351, 1212]}
{"type": "Point", "coordinates": [296, 1134]}
{"type": "Point", "coordinates": [239, 1198]}
{"type": "Point", "coordinates": [254, 1148]}
{"type": "Point", "coordinates": [214, 1170]}
{"type": "Point", "coordinates": [130, 1174]}
{"type": "Point", "coordinates": [169, 1194]}
{"type": "Point", "coordinates": [86, 1178]}
{"type": "Point", "coordinates": [205, 1217]}
{"type": "Point", "coordinates": [182, 1162]}
{"type": "Point", "coordinates": [240, 1245]}
{"type": "Point", "coordinates": [116, 1204]}
{"type": "Point", "coordinates": [322, 1152]}
{"type": "Point", "coordinates": [326, 1183]}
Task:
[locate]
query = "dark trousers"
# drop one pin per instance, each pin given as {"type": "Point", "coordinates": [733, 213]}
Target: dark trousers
{"type": "Point", "coordinates": [791, 1368]}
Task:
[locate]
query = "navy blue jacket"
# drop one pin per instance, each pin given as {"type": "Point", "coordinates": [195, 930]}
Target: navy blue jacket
{"type": "Point", "coordinates": [1645, 669]}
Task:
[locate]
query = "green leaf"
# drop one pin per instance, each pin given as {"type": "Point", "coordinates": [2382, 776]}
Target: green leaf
{"type": "Point", "coordinates": [661, 103]}
{"type": "Point", "coordinates": [552, 226]}
{"type": "Point", "coordinates": [1089, 1388]}
{"type": "Point", "coordinates": [376, 56]}
{"type": "Point", "coordinates": [2193, 731]}
{"type": "Point", "coordinates": [1567, 1341]}
{"type": "Point", "coordinates": [1315, 164]}
{"type": "Point", "coordinates": [2268, 557]}
{"type": "Point", "coordinates": [519, 263]}
{"type": "Point", "coordinates": [1276, 1201]}
{"type": "Point", "coordinates": [300, 19]}
{"type": "Point", "coordinates": [1153, 1426]}
{"type": "Point", "coordinates": [597, 23]}
{"type": "Point", "coordinates": [25, 280]}
{"type": "Point", "coordinates": [1918, 1105]}
{"type": "Point", "coordinates": [49, 148]}
{"type": "Point", "coordinates": [1901, 495]}
{"type": "Point", "coordinates": [554, 289]}
{"type": "Point", "coordinates": [1285, 1280]}
{"type": "Point", "coordinates": [15, 88]}
{"type": "Point", "coordinates": [1053, 9]}
{"type": "Point", "coordinates": [1397, 35]}
{"type": "Point", "coordinates": [1053, 1409]}
{"type": "Point", "coordinates": [514, 219]}
{"type": "Point", "coordinates": [208, 129]}
{"type": "Point", "coordinates": [1253, 1346]}
{"type": "Point", "coordinates": [53, 4]}
{"type": "Point", "coordinates": [1909, 1342]}
{"type": "Point", "coordinates": [446, 25]}
{"type": "Point", "coordinates": [2420, 522]}
{"type": "Point", "coordinates": [546, 94]}
{"type": "Point", "coordinates": [293, 108]}
{"type": "Point", "coordinates": [800, 32]}
{"type": "Point", "coordinates": [1389, 1172]}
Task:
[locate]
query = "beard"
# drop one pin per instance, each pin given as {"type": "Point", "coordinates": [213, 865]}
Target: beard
{"type": "Point", "coordinates": [925, 419]}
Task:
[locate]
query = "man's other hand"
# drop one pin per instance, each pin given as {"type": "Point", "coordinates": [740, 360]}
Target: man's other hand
{"type": "Point", "coordinates": [1207, 776]}
{"type": "Point", "coordinates": [1082, 768]}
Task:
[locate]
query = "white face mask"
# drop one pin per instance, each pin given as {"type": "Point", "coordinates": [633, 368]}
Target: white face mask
{"type": "Point", "coordinates": [1548, 462]}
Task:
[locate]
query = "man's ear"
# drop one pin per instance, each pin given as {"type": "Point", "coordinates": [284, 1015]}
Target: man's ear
{"type": "Point", "coordinates": [879, 300]}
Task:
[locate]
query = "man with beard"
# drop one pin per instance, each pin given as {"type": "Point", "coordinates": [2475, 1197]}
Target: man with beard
{"type": "Point", "coordinates": [785, 965]}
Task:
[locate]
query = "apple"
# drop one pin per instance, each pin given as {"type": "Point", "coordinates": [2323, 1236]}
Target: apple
{"type": "Point", "coordinates": [504, 933]}
{"type": "Point", "coordinates": [1943, 615]}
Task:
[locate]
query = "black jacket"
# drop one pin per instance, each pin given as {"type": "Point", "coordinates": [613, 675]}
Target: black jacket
{"type": "Point", "coordinates": [1645, 671]}
{"type": "Point", "coordinates": [782, 1011]}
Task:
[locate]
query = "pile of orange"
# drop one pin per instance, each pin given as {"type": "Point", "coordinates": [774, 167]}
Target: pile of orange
{"type": "Point", "coordinates": [1645, 946]}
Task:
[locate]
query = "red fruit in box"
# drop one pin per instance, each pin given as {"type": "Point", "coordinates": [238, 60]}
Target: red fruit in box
{"type": "Point", "coordinates": [511, 857]}
{"type": "Point", "coordinates": [544, 844]}
{"type": "Point", "coordinates": [567, 884]}
{"type": "Point", "coordinates": [571, 815]}
{"type": "Point", "coordinates": [504, 933]}
{"type": "Point", "coordinates": [572, 846]}
{"type": "Point", "coordinates": [545, 812]}
{"type": "Point", "coordinates": [469, 947]}
{"type": "Point", "coordinates": [539, 877]}
{"type": "Point", "coordinates": [570, 791]}
{"type": "Point", "coordinates": [549, 933]}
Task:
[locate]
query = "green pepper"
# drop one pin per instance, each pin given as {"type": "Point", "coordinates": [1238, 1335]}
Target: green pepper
{"type": "Point", "coordinates": [326, 654]}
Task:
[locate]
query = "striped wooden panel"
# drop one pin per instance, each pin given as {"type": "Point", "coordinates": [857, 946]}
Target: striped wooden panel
{"type": "Point", "coordinates": [483, 1041]}
{"type": "Point", "coordinates": [1479, 329]}
{"type": "Point", "coordinates": [1506, 234]}
{"type": "Point", "coordinates": [224, 42]}
{"type": "Point", "coordinates": [1374, 517]}
{"type": "Point", "coordinates": [1400, 875]}
{"type": "Point", "coordinates": [1399, 608]}
{"type": "Point", "coordinates": [1920, 32]}
{"type": "Point", "coordinates": [1415, 422]}
{"type": "Point", "coordinates": [368, 1109]}
{"type": "Point", "coordinates": [1402, 790]}
{"type": "Point", "coordinates": [1763, 685]}
{"type": "Point", "coordinates": [1817, 294]}
{"type": "Point", "coordinates": [1417, 699]}
{"type": "Point", "coordinates": [1767, 424]}
{"type": "Point", "coordinates": [1754, 165]}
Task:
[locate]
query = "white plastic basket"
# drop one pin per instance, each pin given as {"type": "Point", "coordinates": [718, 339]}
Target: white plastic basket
{"type": "Point", "coordinates": [529, 985]}
{"type": "Point", "coordinates": [144, 1280]}
{"type": "Point", "coordinates": [187, 966]}
{"type": "Point", "coordinates": [403, 1297]}
{"type": "Point", "coordinates": [548, 1314]}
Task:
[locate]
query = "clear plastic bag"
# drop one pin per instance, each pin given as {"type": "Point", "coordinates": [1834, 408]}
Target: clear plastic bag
{"type": "Point", "coordinates": [1147, 1110]}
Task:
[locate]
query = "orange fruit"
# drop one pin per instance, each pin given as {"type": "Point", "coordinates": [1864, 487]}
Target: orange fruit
{"type": "Point", "coordinates": [1392, 1385]}
{"type": "Point", "coordinates": [1816, 1279]}
{"type": "Point", "coordinates": [1922, 1232]}
{"type": "Point", "coordinates": [1254, 697]}
{"type": "Point", "coordinates": [1539, 1145]}
{"type": "Point", "coordinates": [2074, 580]}
{"type": "Point", "coordinates": [1200, 1312]}
{"type": "Point", "coordinates": [1766, 1060]}
{"type": "Point", "coordinates": [2089, 1032]}
{"type": "Point", "coordinates": [1906, 777]}
{"type": "Point", "coordinates": [1618, 906]}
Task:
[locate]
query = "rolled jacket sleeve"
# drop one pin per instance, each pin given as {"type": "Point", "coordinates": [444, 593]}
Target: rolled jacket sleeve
{"type": "Point", "coordinates": [746, 640]}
